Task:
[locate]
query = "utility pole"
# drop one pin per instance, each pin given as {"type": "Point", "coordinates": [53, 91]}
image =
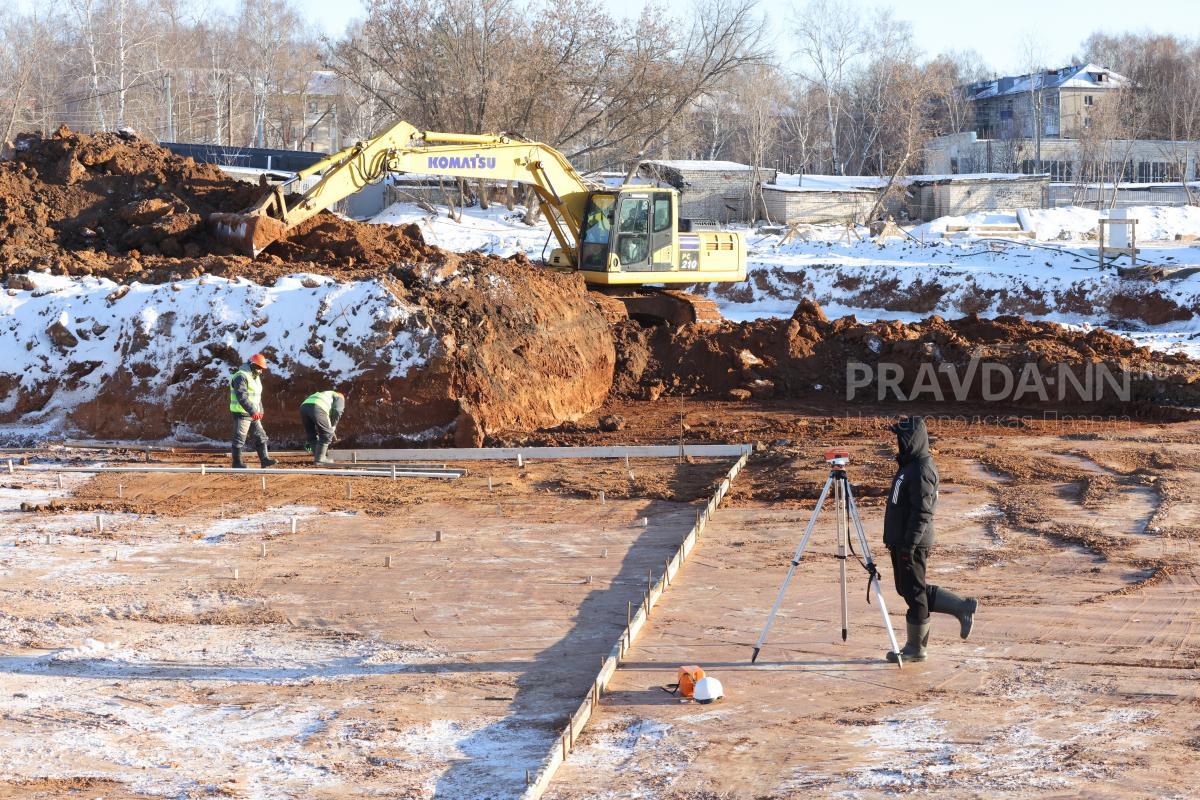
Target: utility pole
{"type": "Point", "coordinates": [334, 139]}
{"type": "Point", "coordinates": [229, 112]}
{"type": "Point", "coordinates": [170, 111]}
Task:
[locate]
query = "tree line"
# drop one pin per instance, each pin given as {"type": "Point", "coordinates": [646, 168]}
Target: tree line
{"type": "Point", "coordinates": [838, 88]}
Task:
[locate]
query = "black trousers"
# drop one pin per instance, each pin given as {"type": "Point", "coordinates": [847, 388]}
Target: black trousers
{"type": "Point", "coordinates": [317, 427]}
{"type": "Point", "coordinates": [910, 583]}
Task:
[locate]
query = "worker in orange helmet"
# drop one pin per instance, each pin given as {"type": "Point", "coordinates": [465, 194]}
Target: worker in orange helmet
{"type": "Point", "coordinates": [245, 403]}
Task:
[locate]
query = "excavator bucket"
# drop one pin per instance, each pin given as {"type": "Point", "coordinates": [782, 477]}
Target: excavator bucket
{"type": "Point", "coordinates": [249, 234]}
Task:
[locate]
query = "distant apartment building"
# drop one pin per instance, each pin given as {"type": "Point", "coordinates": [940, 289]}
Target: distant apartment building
{"type": "Point", "coordinates": [1045, 124]}
{"type": "Point", "coordinates": [1052, 104]}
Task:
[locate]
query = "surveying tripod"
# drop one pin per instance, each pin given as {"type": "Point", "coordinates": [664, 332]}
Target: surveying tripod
{"type": "Point", "coordinates": [846, 513]}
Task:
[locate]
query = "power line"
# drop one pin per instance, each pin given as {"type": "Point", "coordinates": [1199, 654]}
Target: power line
{"type": "Point", "coordinates": [86, 97]}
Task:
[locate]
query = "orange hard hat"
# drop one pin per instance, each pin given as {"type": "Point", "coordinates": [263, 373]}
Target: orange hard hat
{"type": "Point", "coordinates": [259, 360]}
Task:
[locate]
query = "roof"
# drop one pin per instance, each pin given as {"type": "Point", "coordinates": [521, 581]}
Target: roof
{"type": "Point", "coordinates": [1076, 76]}
{"type": "Point", "coordinates": [866, 184]}
{"type": "Point", "coordinates": [861, 184]}
{"type": "Point", "coordinates": [702, 166]}
{"type": "Point", "coordinates": [974, 177]}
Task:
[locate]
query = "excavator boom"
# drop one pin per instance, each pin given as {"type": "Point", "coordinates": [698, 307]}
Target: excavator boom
{"type": "Point", "coordinates": [560, 189]}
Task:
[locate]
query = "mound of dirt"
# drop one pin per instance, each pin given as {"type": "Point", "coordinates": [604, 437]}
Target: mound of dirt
{"type": "Point", "coordinates": [470, 343]}
{"type": "Point", "coordinates": [1006, 359]}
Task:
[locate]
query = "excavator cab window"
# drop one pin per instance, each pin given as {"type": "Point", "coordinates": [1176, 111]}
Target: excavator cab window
{"type": "Point", "coordinates": [633, 232]}
{"type": "Point", "coordinates": [598, 222]}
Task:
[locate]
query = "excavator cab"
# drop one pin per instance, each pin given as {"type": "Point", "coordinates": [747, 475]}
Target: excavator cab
{"type": "Point", "coordinates": [634, 235]}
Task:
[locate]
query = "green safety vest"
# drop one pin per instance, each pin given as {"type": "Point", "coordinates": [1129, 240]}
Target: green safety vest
{"type": "Point", "coordinates": [322, 400]}
{"type": "Point", "coordinates": [253, 391]}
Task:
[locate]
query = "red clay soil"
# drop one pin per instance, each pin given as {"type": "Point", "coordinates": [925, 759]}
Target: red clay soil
{"type": "Point", "coordinates": [521, 347]}
{"type": "Point", "coordinates": [808, 354]}
{"type": "Point", "coordinates": [518, 345]}
{"type": "Point", "coordinates": [126, 209]}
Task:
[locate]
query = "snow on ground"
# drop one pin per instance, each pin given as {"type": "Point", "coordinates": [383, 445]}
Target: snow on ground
{"type": "Point", "coordinates": [106, 330]}
{"type": "Point", "coordinates": [108, 689]}
{"type": "Point", "coordinates": [844, 275]}
{"type": "Point", "coordinates": [496, 231]}
{"type": "Point", "coordinates": [1074, 223]}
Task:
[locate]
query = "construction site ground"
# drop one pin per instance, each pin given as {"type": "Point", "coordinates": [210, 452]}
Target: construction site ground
{"type": "Point", "coordinates": [1079, 679]}
{"type": "Point", "coordinates": [138, 664]}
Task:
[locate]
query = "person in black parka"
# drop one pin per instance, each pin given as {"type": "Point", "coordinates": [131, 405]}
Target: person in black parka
{"type": "Point", "coordinates": [908, 536]}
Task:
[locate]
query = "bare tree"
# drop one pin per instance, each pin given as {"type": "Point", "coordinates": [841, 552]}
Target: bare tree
{"type": "Point", "coordinates": [28, 80]}
{"type": "Point", "coordinates": [908, 122]}
{"type": "Point", "coordinates": [761, 95]}
{"type": "Point", "coordinates": [830, 39]}
{"type": "Point", "coordinates": [565, 73]}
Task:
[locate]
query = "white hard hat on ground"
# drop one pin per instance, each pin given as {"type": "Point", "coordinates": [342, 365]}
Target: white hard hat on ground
{"type": "Point", "coordinates": [708, 690]}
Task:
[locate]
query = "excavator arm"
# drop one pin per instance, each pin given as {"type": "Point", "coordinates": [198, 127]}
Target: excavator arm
{"type": "Point", "coordinates": [561, 191]}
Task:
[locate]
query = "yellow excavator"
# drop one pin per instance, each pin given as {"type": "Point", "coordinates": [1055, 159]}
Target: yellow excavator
{"type": "Point", "coordinates": [622, 240]}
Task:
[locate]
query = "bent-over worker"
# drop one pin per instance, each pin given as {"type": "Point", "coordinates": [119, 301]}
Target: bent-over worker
{"type": "Point", "coordinates": [320, 413]}
{"type": "Point", "coordinates": [245, 403]}
{"type": "Point", "coordinates": [908, 536]}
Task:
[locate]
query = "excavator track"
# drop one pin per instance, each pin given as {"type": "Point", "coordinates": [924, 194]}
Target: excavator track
{"type": "Point", "coordinates": [665, 306]}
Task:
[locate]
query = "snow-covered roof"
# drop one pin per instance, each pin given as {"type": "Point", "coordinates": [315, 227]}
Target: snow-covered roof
{"type": "Point", "coordinates": [785, 182]}
{"type": "Point", "coordinates": [1076, 76]}
{"type": "Point", "coordinates": [702, 166]}
{"type": "Point", "coordinates": [973, 177]}
{"type": "Point", "coordinates": [869, 183]}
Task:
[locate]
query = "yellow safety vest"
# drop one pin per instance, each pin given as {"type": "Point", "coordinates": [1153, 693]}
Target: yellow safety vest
{"type": "Point", "coordinates": [322, 400]}
{"type": "Point", "coordinates": [253, 391]}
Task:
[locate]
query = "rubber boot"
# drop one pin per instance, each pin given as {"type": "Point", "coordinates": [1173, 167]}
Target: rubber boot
{"type": "Point", "coordinates": [264, 457]}
{"type": "Point", "coordinates": [964, 608]}
{"type": "Point", "coordinates": [319, 454]}
{"type": "Point", "coordinates": [914, 648]}
{"type": "Point", "coordinates": [237, 457]}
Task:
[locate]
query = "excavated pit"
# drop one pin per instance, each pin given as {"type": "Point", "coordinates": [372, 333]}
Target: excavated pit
{"type": "Point", "coordinates": [144, 313]}
{"type": "Point", "coordinates": [124, 316]}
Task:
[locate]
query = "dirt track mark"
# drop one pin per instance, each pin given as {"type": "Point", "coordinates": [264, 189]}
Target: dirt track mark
{"type": "Point", "coordinates": [1157, 573]}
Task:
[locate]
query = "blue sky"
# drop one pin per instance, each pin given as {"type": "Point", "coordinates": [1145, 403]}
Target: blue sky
{"type": "Point", "coordinates": [1056, 27]}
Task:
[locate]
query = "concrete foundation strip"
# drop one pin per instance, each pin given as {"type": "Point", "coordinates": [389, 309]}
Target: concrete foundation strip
{"type": "Point", "coordinates": [537, 785]}
{"type": "Point", "coordinates": [532, 453]}
{"type": "Point", "coordinates": [449, 474]}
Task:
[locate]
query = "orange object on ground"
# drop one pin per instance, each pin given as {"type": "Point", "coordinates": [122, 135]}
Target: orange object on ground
{"type": "Point", "coordinates": [689, 676]}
